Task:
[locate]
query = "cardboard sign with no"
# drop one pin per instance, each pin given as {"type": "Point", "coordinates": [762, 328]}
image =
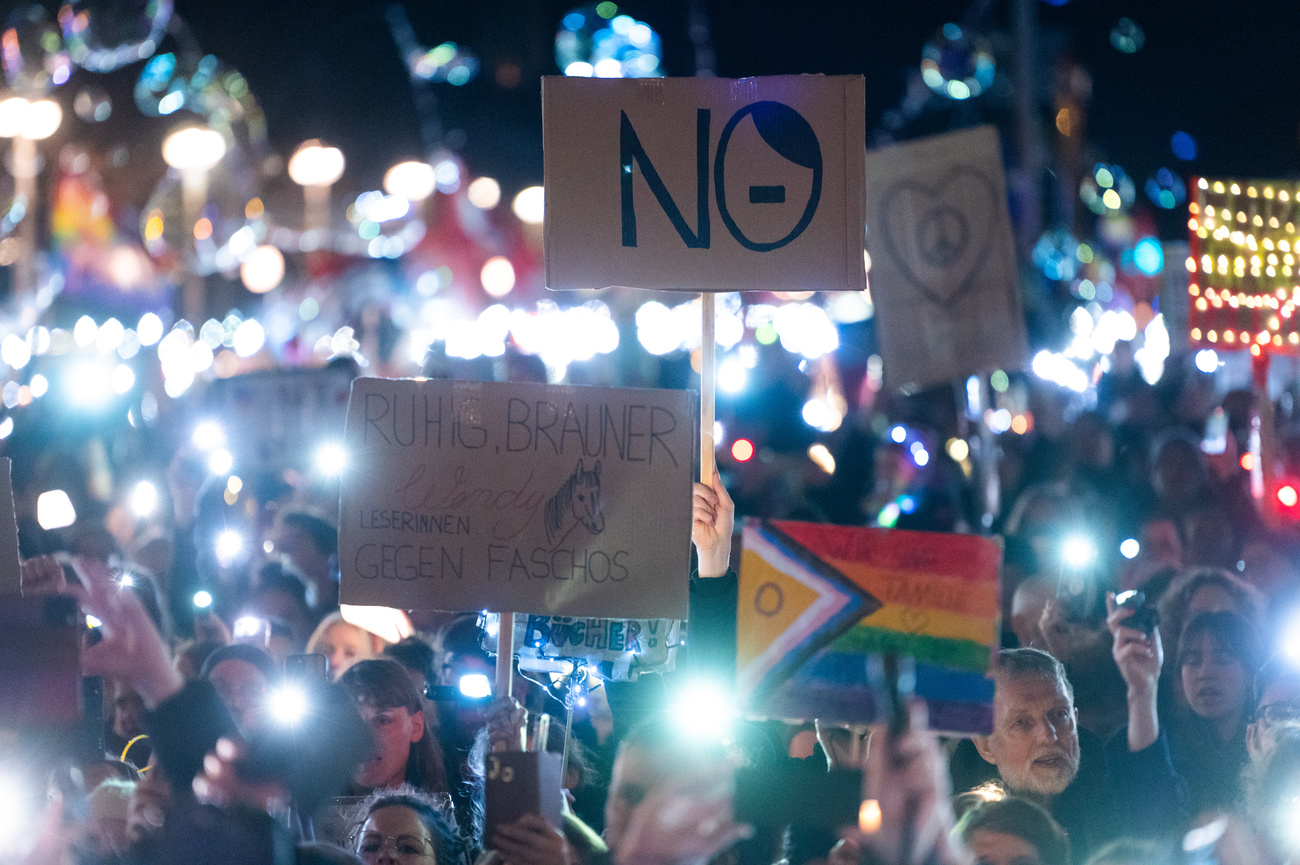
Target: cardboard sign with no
{"type": "Point", "coordinates": [571, 501]}
{"type": "Point", "coordinates": [704, 184]}
{"type": "Point", "coordinates": [943, 270]}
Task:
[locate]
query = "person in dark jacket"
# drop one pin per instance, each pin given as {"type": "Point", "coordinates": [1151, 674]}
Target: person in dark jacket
{"type": "Point", "coordinates": [1035, 747]}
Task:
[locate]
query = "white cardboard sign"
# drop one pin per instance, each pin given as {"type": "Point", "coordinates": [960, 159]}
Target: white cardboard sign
{"type": "Point", "coordinates": [943, 270]}
{"type": "Point", "coordinates": [705, 184]}
{"type": "Point", "coordinates": [544, 499]}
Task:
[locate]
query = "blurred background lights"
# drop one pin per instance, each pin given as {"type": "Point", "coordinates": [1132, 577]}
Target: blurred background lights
{"type": "Point", "coordinates": [1287, 495]}
{"type": "Point", "coordinates": [414, 181]}
{"type": "Point", "coordinates": [1149, 256]}
{"type": "Point", "coordinates": [316, 164]}
{"type": "Point", "coordinates": [497, 276]}
{"type": "Point", "coordinates": [331, 459]}
{"type": "Point", "coordinates": [958, 449]}
{"type": "Point", "coordinates": [87, 384]}
{"type": "Point", "coordinates": [484, 193]}
{"type": "Point", "coordinates": [144, 499]}
{"type": "Point", "coordinates": [957, 63]}
{"type": "Point", "coordinates": [898, 434]}
{"type": "Point", "coordinates": [102, 35]}
{"type": "Point", "coordinates": [263, 270]}
{"type": "Point", "coordinates": [742, 450]}
{"type": "Point", "coordinates": [822, 456]}
{"type": "Point", "coordinates": [193, 148]}
{"type": "Point", "coordinates": [599, 40]}
{"type": "Point", "coordinates": [54, 510]}
{"type": "Point", "coordinates": [123, 378]}
{"type": "Point", "coordinates": [1078, 552]}
{"type": "Point", "coordinates": [1130, 548]}
{"type": "Point", "coordinates": [528, 205]}
{"type": "Point", "coordinates": [920, 455]}
{"type": "Point", "coordinates": [208, 435]}
{"type": "Point", "coordinates": [220, 462]}
{"type": "Point", "coordinates": [449, 62]}
{"type": "Point", "coordinates": [1166, 189]}
{"type": "Point", "coordinates": [202, 599]}
{"type": "Point", "coordinates": [1127, 36]}
{"type": "Point", "coordinates": [1207, 360]}
{"type": "Point", "coordinates": [150, 329]}
{"type": "Point", "coordinates": [1183, 146]}
{"type": "Point", "coordinates": [732, 376]}
{"type": "Point", "coordinates": [36, 120]}
{"type": "Point", "coordinates": [229, 545]}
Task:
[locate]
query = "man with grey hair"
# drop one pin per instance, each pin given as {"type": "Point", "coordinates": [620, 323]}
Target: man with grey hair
{"type": "Point", "coordinates": [1035, 746]}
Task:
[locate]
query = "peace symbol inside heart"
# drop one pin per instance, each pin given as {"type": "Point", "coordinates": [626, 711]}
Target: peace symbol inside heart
{"type": "Point", "coordinates": [940, 234]}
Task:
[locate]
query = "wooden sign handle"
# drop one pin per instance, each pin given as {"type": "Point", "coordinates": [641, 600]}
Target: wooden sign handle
{"type": "Point", "coordinates": [708, 370]}
{"type": "Point", "coordinates": [505, 656]}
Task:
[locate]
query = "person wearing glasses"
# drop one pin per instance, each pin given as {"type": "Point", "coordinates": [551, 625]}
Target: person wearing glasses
{"type": "Point", "coordinates": [1277, 706]}
{"type": "Point", "coordinates": [404, 825]}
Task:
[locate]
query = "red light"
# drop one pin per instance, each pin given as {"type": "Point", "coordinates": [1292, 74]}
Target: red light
{"type": "Point", "coordinates": [1248, 461]}
{"type": "Point", "coordinates": [742, 450]}
{"type": "Point", "coordinates": [1287, 496]}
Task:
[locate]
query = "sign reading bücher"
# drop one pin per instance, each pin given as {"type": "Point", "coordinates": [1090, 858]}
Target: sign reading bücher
{"type": "Point", "coordinates": [705, 184]}
{"type": "Point", "coordinates": [571, 501]}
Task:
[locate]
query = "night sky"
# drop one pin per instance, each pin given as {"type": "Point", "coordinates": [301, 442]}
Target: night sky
{"type": "Point", "coordinates": [1222, 71]}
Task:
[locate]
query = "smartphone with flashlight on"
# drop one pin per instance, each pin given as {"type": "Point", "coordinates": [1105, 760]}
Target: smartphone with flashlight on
{"type": "Point", "coordinates": [1144, 618]}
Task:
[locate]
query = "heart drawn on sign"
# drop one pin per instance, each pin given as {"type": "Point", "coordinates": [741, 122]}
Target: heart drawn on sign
{"type": "Point", "coordinates": [940, 234]}
{"type": "Point", "coordinates": [914, 621]}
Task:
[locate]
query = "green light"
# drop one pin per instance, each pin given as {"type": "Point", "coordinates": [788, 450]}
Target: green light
{"type": "Point", "coordinates": [765, 333]}
{"type": "Point", "coordinates": [606, 10]}
{"type": "Point", "coordinates": [999, 381]}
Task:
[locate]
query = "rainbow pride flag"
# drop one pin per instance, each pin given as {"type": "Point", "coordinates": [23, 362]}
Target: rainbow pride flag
{"type": "Point", "coordinates": [816, 602]}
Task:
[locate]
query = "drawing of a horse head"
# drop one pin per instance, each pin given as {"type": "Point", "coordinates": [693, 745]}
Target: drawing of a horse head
{"type": "Point", "coordinates": [577, 502]}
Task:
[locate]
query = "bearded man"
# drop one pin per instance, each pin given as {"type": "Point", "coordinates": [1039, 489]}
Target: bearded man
{"type": "Point", "coordinates": [1035, 747]}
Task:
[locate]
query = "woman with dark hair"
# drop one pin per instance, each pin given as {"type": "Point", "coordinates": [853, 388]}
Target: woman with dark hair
{"type": "Point", "coordinates": [1218, 656]}
{"type": "Point", "coordinates": [409, 823]}
{"type": "Point", "coordinates": [1013, 831]}
{"type": "Point", "coordinates": [405, 751]}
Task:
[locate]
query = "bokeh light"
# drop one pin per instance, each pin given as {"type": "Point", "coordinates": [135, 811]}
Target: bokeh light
{"type": "Point", "coordinates": [484, 193]}
{"type": "Point", "coordinates": [1107, 190]}
{"type": "Point", "coordinates": [1183, 145]}
{"type": "Point", "coordinates": [449, 62]}
{"type": "Point", "coordinates": [742, 450]}
{"type": "Point", "coordinates": [92, 104]}
{"type": "Point", "coordinates": [103, 35]}
{"type": "Point", "coordinates": [498, 276]}
{"type": "Point", "coordinates": [529, 205]}
{"type": "Point", "coordinates": [1127, 36]}
{"type": "Point", "coordinates": [33, 53]}
{"type": "Point", "coordinates": [957, 62]}
{"type": "Point", "coordinates": [1166, 189]}
{"type": "Point", "coordinates": [263, 269]}
{"type": "Point", "coordinates": [414, 181]}
{"type": "Point", "coordinates": [600, 41]}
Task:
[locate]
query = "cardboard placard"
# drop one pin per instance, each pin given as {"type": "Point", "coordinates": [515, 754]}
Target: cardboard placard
{"type": "Point", "coordinates": [10, 561]}
{"type": "Point", "coordinates": [620, 649]}
{"type": "Point", "coordinates": [816, 599]}
{"type": "Point", "coordinates": [274, 418]}
{"type": "Point", "coordinates": [704, 184]}
{"type": "Point", "coordinates": [571, 501]}
{"type": "Point", "coordinates": [943, 269]}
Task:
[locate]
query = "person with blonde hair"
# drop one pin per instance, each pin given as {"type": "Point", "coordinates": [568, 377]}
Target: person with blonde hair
{"type": "Point", "coordinates": [343, 644]}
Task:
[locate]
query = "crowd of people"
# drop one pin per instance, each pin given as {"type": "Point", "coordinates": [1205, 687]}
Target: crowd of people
{"type": "Point", "coordinates": [1146, 708]}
